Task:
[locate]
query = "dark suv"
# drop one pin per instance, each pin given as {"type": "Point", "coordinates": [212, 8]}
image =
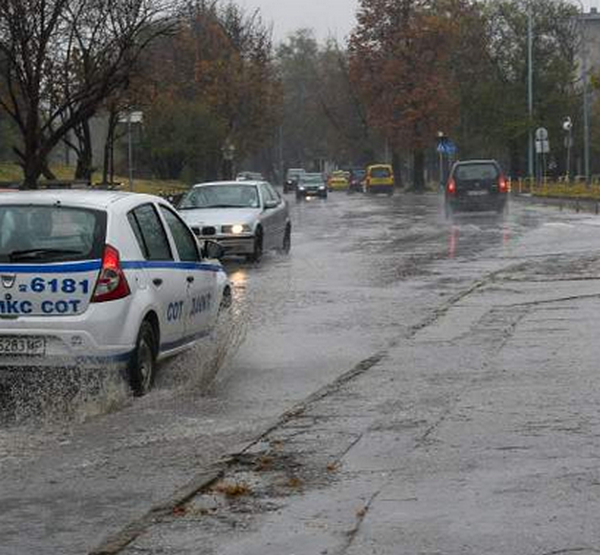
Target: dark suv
{"type": "Point", "coordinates": [476, 185]}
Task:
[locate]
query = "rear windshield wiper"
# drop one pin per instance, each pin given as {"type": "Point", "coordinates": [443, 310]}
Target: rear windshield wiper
{"type": "Point", "coordinates": [40, 253]}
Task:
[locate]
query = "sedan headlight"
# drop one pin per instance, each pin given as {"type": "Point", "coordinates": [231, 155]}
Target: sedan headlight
{"type": "Point", "coordinates": [301, 188]}
{"type": "Point", "coordinates": [322, 187]}
{"type": "Point", "coordinates": [236, 229]}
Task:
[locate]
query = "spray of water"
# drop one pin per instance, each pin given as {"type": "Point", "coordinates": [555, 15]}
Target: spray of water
{"type": "Point", "coordinates": [196, 369]}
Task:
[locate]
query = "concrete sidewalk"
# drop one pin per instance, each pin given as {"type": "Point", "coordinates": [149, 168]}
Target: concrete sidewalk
{"type": "Point", "coordinates": [477, 434]}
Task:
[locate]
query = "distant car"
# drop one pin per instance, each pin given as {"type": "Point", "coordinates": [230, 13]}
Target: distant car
{"type": "Point", "coordinates": [311, 185]}
{"type": "Point", "coordinates": [379, 178]}
{"type": "Point", "coordinates": [245, 217]}
{"type": "Point", "coordinates": [338, 181]}
{"type": "Point", "coordinates": [476, 185]}
{"type": "Point", "coordinates": [249, 176]}
{"type": "Point", "coordinates": [356, 182]}
{"type": "Point", "coordinates": [291, 179]}
{"type": "Point", "coordinates": [97, 279]}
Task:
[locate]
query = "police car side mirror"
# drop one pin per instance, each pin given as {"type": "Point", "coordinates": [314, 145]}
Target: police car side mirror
{"type": "Point", "coordinates": [213, 250]}
{"type": "Point", "coordinates": [271, 204]}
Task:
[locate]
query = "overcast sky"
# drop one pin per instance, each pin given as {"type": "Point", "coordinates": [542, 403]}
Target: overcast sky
{"type": "Point", "coordinates": [326, 17]}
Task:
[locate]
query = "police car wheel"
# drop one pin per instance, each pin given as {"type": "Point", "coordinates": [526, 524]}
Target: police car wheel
{"type": "Point", "coordinates": [142, 364]}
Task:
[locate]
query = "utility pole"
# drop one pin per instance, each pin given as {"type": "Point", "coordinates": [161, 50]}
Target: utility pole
{"type": "Point", "coordinates": [530, 87]}
{"type": "Point", "coordinates": [129, 151]}
{"type": "Point", "coordinates": [586, 106]}
{"type": "Point", "coordinates": [280, 155]}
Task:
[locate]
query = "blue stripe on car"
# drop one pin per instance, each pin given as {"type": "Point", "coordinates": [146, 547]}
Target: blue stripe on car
{"type": "Point", "coordinates": [59, 268]}
{"type": "Point", "coordinates": [95, 265]}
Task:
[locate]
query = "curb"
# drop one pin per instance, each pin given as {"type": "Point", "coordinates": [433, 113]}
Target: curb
{"type": "Point", "coordinates": [118, 541]}
{"type": "Point", "coordinates": [114, 543]}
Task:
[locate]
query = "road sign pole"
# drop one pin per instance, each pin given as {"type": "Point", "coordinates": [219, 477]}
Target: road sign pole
{"type": "Point", "coordinates": [569, 144]}
{"type": "Point", "coordinates": [530, 85]}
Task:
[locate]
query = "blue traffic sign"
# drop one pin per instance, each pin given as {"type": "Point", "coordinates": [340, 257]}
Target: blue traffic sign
{"type": "Point", "coordinates": [446, 146]}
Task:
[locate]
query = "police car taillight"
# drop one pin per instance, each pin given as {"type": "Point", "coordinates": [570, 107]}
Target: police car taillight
{"type": "Point", "coordinates": [111, 284]}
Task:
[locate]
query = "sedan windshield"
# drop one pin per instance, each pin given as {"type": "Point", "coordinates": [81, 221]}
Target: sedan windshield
{"type": "Point", "coordinates": [221, 196]}
{"type": "Point", "coordinates": [312, 179]}
{"type": "Point", "coordinates": [33, 234]}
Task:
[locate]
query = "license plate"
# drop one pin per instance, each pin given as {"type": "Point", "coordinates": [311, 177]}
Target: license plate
{"type": "Point", "coordinates": [477, 193]}
{"type": "Point", "coordinates": [24, 346]}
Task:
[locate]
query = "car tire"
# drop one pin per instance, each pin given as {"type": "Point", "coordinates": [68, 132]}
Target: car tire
{"type": "Point", "coordinates": [142, 362]}
{"type": "Point", "coordinates": [258, 248]}
{"type": "Point", "coordinates": [287, 240]}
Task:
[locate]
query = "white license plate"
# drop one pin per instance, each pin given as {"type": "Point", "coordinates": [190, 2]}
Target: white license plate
{"type": "Point", "coordinates": [477, 193]}
{"type": "Point", "coordinates": [24, 346]}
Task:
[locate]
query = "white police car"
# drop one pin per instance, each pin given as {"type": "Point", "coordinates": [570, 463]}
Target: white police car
{"type": "Point", "coordinates": [102, 278]}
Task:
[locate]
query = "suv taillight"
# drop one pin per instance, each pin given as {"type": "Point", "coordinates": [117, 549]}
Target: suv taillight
{"type": "Point", "coordinates": [111, 284]}
{"type": "Point", "coordinates": [451, 187]}
{"type": "Point", "coordinates": [503, 184]}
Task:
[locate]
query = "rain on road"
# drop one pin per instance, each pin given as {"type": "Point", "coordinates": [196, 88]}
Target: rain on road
{"type": "Point", "coordinates": [366, 276]}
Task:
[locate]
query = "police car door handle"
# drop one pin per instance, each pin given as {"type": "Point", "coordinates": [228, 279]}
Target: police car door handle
{"type": "Point", "coordinates": [157, 282]}
{"type": "Point", "coordinates": [190, 279]}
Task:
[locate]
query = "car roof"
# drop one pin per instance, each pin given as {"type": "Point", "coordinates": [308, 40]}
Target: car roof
{"type": "Point", "coordinates": [72, 197]}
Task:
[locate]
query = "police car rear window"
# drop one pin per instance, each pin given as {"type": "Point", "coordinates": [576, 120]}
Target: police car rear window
{"type": "Point", "coordinates": [31, 234]}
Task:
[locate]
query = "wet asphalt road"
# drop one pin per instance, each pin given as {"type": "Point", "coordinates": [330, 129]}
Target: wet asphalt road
{"type": "Point", "coordinates": [364, 276]}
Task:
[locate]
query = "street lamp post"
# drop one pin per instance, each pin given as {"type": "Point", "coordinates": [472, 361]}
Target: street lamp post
{"type": "Point", "coordinates": [530, 87]}
{"type": "Point", "coordinates": [568, 129]}
{"type": "Point", "coordinates": [129, 118]}
{"type": "Point", "coordinates": [441, 136]}
{"type": "Point", "coordinates": [585, 91]}
{"type": "Point", "coordinates": [228, 151]}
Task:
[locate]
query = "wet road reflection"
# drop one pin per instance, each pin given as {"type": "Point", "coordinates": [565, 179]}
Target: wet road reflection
{"type": "Point", "coordinates": [362, 271]}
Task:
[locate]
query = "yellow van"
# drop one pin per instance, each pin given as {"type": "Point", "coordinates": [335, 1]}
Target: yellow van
{"type": "Point", "coordinates": [379, 179]}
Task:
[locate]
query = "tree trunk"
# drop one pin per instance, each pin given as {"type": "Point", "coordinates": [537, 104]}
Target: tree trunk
{"type": "Point", "coordinates": [47, 172]}
{"type": "Point", "coordinates": [107, 164]}
{"type": "Point", "coordinates": [418, 183]}
{"type": "Point", "coordinates": [31, 161]}
{"type": "Point", "coordinates": [397, 166]}
{"type": "Point", "coordinates": [84, 167]}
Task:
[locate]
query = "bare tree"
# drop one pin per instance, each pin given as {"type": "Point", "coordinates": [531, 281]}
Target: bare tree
{"type": "Point", "coordinates": [61, 59]}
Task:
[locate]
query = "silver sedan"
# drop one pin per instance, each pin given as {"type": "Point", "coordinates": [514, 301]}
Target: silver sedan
{"type": "Point", "coordinates": [245, 217]}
